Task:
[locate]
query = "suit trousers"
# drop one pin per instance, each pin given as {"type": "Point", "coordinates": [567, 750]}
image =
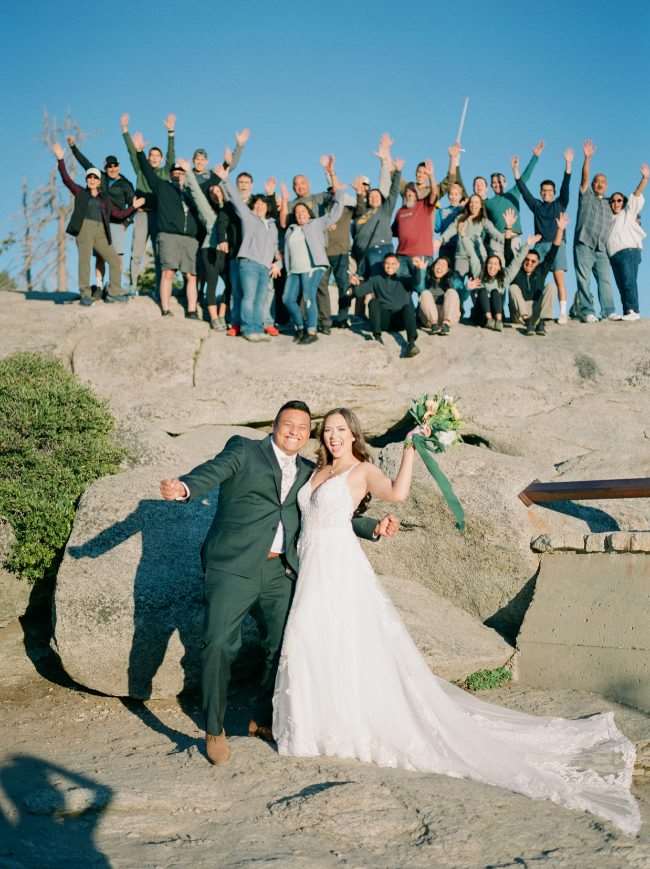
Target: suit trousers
{"type": "Point", "coordinates": [228, 599]}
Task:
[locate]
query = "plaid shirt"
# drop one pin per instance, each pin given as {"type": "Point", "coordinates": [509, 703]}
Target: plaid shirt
{"type": "Point", "coordinates": [594, 220]}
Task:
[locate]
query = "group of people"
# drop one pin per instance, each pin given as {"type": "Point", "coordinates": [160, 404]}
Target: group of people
{"type": "Point", "coordinates": [256, 260]}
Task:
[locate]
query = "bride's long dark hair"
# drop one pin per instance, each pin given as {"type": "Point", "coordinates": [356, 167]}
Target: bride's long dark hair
{"type": "Point", "coordinates": [359, 446]}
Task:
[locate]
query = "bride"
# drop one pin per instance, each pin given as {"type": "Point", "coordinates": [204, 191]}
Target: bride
{"type": "Point", "coordinates": [351, 683]}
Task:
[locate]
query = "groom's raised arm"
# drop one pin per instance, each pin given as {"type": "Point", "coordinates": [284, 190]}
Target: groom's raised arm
{"type": "Point", "coordinates": [207, 476]}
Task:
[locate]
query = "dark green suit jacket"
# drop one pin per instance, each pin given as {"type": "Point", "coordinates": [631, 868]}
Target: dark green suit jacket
{"type": "Point", "coordinates": [249, 509]}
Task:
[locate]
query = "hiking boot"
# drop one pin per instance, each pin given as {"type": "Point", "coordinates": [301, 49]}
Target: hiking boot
{"type": "Point", "coordinates": [217, 748]}
{"type": "Point", "coordinates": [540, 329]}
{"type": "Point", "coordinates": [86, 301]}
{"type": "Point", "coordinates": [434, 330]}
{"type": "Point", "coordinates": [166, 314]}
{"type": "Point", "coordinates": [191, 315]}
{"type": "Point", "coordinates": [445, 329]}
{"type": "Point", "coordinates": [308, 338]}
{"type": "Point", "coordinates": [530, 329]}
{"type": "Point", "coordinates": [299, 335]}
{"type": "Point", "coordinates": [411, 350]}
{"type": "Point", "coordinates": [377, 337]}
{"type": "Point", "coordinates": [498, 325]}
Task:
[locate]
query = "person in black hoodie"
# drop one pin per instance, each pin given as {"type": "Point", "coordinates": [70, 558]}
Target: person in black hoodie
{"type": "Point", "coordinates": [120, 191]}
{"type": "Point", "coordinates": [391, 307]}
{"type": "Point", "coordinates": [178, 230]}
{"type": "Point", "coordinates": [90, 225]}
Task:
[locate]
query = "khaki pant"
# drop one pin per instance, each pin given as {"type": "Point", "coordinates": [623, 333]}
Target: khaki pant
{"type": "Point", "coordinates": [434, 314]}
{"type": "Point", "coordinates": [522, 310]}
{"type": "Point", "coordinates": [92, 237]}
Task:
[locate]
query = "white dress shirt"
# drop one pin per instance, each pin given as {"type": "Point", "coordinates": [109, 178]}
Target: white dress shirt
{"type": "Point", "coordinates": [289, 470]}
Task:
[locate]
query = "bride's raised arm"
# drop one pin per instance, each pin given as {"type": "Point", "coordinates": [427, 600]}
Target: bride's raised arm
{"type": "Point", "coordinates": [397, 490]}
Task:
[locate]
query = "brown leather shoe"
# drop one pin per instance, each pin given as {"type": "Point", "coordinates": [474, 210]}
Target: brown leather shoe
{"type": "Point", "coordinates": [262, 731]}
{"type": "Point", "coordinates": [216, 748]}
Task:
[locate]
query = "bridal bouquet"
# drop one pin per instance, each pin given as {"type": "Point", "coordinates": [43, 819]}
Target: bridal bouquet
{"type": "Point", "coordinates": [439, 414]}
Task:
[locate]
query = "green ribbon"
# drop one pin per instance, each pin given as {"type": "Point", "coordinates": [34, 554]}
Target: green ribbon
{"type": "Point", "coordinates": [425, 448]}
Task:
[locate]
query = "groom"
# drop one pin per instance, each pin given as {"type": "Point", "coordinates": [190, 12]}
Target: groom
{"type": "Point", "coordinates": [249, 555]}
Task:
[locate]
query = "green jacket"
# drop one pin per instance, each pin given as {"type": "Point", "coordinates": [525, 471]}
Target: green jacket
{"type": "Point", "coordinates": [249, 509]}
{"type": "Point", "coordinates": [141, 183]}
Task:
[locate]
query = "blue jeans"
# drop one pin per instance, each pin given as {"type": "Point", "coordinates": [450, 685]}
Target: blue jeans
{"type": "Point", "coordinates": [307, 282]}
{"type": "Point", "coordinates": [586, 261]}
{"type": "Point", "coordinates": [254, 279]}
{"type": "Point", "coordinates": [235, 293]}
{"type": "Point", "coordinates": [625, 265]}
{"type": "Point", "coordinates": [373, 260]}
{"type": "Point", "coordinates": [418, 276]}
{"type": "Point", "coordinates": [339, 267]}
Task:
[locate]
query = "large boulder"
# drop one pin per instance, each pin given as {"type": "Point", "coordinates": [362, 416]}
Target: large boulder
{"type": "Point", "coordinates": [129, 606]}
{"type": "Point", "coordinates": [489, 570]}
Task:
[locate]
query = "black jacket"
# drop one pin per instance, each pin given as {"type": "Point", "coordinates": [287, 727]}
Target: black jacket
{"type": "Point", "coordinates": [80, 210]}
{"type": "Point", "coordinates": [120, 191]}
{"type": "Point", "coordinates": [175, 207]}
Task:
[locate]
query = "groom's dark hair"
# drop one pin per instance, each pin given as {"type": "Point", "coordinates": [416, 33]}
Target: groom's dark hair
{"type": "Point", "coordinates": [292, 405]}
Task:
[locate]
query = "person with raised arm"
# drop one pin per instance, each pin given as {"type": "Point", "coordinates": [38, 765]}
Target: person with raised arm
{"type": "Point", "coordinates": [258, 257]}
{"type": "Point", "coordinates": [121, 193]}
{"type": "Point", "coordinates": [90, 226]}
{"type": "Point", "coordinates": [351, 683]}
{"type": "Point", "coordinates": [546, 210]}
{"type": "Point", "coordinates": [373, 234]}
{"type": "Point", "coordinates": [144, 224]}
{"type": "Point", "coordinates": [439, 302]}
{"type": "Point", "coordinates": [478, 230]}
{"type": "Point", "coordinates": [505, 198]}
{"type": "Point", "coordinates": [593, 226]}
{"type": "Point", "coordinates": [625, 242]}
{"type": "Point", "coordinates": [214, 248]}
{"type": "Point", "coordinates": [531, 298]}
{"type": "Point", "coordinates": [390, 308]}
{"type": "Point", "coordinates": [413, 223]}
{"type": "Point", "coordinates": [305, 259]}
{"type": "Point", "coordinates": [178, 227]}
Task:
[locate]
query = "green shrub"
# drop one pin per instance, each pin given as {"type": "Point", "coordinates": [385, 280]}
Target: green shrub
{"type": "Point", "coordinates": [482, 680]}
{"type": "Point", "coordinates": [55, 439]}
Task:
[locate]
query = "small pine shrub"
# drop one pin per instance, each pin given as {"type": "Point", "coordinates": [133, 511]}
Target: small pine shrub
{"type": "Point", "coordinates": [55, 439]}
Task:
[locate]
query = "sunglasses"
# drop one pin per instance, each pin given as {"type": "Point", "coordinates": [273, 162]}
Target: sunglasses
{"type": "Point", "coordinates": [616, 199]}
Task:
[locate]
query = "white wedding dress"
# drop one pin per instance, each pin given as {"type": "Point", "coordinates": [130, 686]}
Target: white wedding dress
{"type": "Point", "coordinates": [351, 683]}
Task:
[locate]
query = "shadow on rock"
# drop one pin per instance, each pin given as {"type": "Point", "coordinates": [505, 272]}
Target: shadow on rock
{"type": "Point", "coordinates": [597, 520]}
{"type": "Point", "coordinates": [49, 815]}
{"type": "Point", "coordinates": [507, 620]}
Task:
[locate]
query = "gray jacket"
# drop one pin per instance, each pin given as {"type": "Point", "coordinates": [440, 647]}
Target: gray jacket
{"type": "Point", "coordinates": [206, 212]}
{"type": "Point", "coordinates": [260, 241]}
{"type": "Point", "coordinates": [316, 234]}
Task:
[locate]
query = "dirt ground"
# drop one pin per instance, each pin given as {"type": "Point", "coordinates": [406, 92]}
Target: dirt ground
{"type": "Point", "coordinates": [94, 781]}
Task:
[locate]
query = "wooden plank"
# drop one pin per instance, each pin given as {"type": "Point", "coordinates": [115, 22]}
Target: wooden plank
{"type": "Point", "coordinates": [585, 490]}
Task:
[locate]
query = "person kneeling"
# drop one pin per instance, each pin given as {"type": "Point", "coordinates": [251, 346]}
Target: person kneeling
{"type": "Point", "coordinates": [530, 300]}
{"type": "Point", "coordinates": [390, 309]}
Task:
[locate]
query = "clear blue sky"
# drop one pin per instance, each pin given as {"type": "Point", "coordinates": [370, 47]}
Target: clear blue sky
{"type": "Point", "coordinates": [309, 78]}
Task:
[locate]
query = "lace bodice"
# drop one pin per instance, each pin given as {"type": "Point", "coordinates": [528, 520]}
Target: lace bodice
{"type": "Point", "coordinates": [327, 508]}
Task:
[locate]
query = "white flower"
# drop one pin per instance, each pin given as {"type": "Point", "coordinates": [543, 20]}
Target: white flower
{"type": "Point", "coordinates": [446, 438]}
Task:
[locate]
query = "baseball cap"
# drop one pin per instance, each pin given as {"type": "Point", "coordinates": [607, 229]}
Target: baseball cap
{"type": "Point", "coordinates": [111, 160]}
{"type": "Point", "coordinates": [365, 180]}
{"type": "Point", "coordinates": [92, 170]}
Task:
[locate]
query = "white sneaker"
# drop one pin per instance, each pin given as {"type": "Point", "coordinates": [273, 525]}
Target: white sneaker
{"type": "Point", "coordinates": [590, 318]}
{"type": "Point", "coordinates": [615, 316]}
{"type": "Point", "coordinates": [562, 320]}
{"type": "Point", "coordinates": [631, 316]}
